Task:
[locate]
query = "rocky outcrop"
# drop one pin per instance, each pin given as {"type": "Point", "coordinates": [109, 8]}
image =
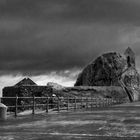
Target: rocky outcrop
{"type": "Point", "coordinates": [103, 71]}
{"type": "Point", "coordinates": [113, 69]}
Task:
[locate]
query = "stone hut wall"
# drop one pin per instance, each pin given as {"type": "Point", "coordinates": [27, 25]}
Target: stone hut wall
{"type": "Point", "coordinates": [25, 91]}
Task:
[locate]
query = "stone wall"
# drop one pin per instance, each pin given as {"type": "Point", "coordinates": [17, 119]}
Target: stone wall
{"type": "Point", "coordinates": [25, 91]}
{"type": "Point", "coordinates": [114, 92]}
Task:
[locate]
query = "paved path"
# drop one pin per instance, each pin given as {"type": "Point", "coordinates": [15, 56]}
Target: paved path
{"type": "Point", "coordinates": [118, 122]}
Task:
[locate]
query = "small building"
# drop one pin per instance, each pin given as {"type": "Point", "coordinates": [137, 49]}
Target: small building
{"type": "Point", "coordinates": [25, 88]}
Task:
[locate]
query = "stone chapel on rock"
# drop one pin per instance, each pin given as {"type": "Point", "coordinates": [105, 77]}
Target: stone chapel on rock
{"type": "Point", "coordinates": [112, 69]}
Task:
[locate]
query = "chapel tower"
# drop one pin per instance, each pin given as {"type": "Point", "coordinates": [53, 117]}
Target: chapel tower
{"type": "Point", "coordinates": [130, 57]}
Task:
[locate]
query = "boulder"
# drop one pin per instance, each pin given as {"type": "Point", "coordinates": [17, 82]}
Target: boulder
{"type": "Point", "coordinates": [103, 71]}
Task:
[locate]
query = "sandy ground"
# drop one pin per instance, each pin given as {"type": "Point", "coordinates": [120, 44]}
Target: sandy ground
{"type": "Point", "coordinates": [121, 122]}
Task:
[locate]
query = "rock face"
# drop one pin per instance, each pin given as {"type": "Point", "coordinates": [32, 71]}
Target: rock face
{"type": "Point", "coordinates": [103, 71]}
{"type": "Point", "coordinates": [113, 69]}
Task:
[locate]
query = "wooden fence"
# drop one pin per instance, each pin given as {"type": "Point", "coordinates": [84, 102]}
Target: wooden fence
{"type": "Point", "coordinates": [59, 103]}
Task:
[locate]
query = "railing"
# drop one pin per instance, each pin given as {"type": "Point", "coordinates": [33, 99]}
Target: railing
{"type": "Point", "coordinates": [58, 103]}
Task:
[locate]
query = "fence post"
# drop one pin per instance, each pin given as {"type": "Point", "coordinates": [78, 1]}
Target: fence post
{"type": "Point", "coordinates": [67, 103]}
{"type": "Point", "coordinates": [96, 102]}
{"type": "Point", "coordinates": [86, 102]}
{"type": "Point", "coordinates": [107, 102]}
{"type": "Point", "coordinates": [33, 111]}
{"type": "Point", "coordinates": [99, 103]}
{"type": "Point", "coordinates": [91, 102]}
{"type": "Point", "coordinates": [16, 105]}
{"type": "Point", "coordinates": [58, 105]}
{"type": "Point", "coordinates": [113, 102]}
{"type": "Point", "coordinates": [75, 103]}
{"type": "Point", "coordinates": [81, 102]}
{"type": "Point", "coordinates": [102, 102]}
{"type": "Point", "coordinates": [110, 101]}
{"type": "Point", "coordinates": [47, 105]}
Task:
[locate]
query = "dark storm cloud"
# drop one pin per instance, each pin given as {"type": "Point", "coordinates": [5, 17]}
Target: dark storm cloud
{"type": "Point", "coordinates": [38, 36]}
{"type": "Point", "coordinates": [69, 10]}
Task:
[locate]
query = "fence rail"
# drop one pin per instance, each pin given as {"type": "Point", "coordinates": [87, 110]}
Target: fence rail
{"type": "Point", "coordinates": [57, 103]}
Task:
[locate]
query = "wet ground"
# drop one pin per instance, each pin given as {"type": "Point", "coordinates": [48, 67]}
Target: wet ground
{"type": "Point", "coordinates": [113, 123]}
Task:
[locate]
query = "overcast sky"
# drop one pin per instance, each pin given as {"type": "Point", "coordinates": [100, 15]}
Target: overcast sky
{"type": "Point", "coordinates": [52, 40]}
